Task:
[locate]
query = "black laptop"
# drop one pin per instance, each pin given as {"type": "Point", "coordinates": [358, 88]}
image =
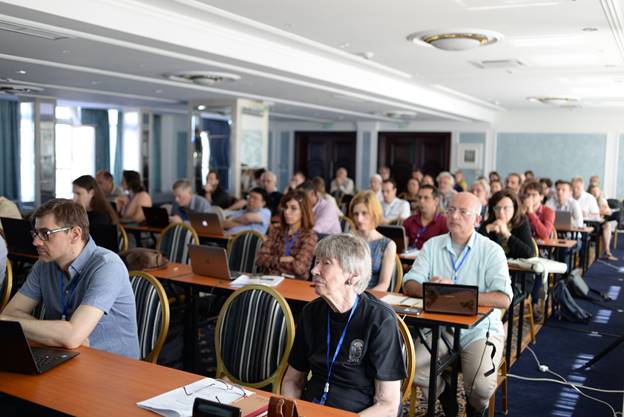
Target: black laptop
{"type": "Point", "coordinates": [396, 233]}
{"type": "Point", "coordinates": [156, 216]}
{"type": "Point", "coordinates": [16, 355]}
{"type": "Point", "coordinates": [206, 408]}
{"type": "Point", "coordinates": [17, 235]}
{"type": "Point", "coordinates": [450, 298]}
{"type": "Point", "coordinates": [11, 406]}
{"type": "Point", "coordinates": [105, 236]}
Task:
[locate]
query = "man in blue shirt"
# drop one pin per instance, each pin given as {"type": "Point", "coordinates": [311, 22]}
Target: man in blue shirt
{"type": "Point", "coordinates": [463, 256]}
{"type": "Point", "coordinates": [186, 201]}
{"type": "Point", "coordinates": [254, 217]}
{"type": "Point", "coordinates": [85, 289]}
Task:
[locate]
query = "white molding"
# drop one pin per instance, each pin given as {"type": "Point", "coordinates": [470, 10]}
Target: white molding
{"type": "Point", "coordinates": [610, 172]}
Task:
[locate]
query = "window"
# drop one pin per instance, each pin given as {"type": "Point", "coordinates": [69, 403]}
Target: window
{"type": "Point", "coordinates": [75, 155]}
{"type": "Point", "coordinates": [131, 142]}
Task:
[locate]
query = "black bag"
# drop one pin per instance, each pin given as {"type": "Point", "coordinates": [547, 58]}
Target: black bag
{"type": "Point", "coordinates": [579, 289]}
{"type": "Point", "coordinates": [567, 308]}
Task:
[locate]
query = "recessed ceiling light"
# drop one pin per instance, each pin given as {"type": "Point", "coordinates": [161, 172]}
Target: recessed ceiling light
{"type": "Point", "coordinates": [201, 107]}
{"type": "Point", "coordinates": [590, 29]}
{"type": "Point", "coordinates": [206, 78]}
{"type": "Point", "coordinates": [159, 91]}
{"type": "Point", "coordinates": [21, 72]}
{"type": "Point", "coordinates": [458, 39]}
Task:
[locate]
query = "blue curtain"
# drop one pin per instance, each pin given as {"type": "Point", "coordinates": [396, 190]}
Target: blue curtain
{"type": "Point", "coordinates": [9, 149]}
{"type": "Point", "coordinates": [99, 119]}
{"type": "Point", "coordinates": [118, 166]}
{"type": "Point", "coordinates": [156, 157]}
{"type": "Point", "coordinates": [219, 140]}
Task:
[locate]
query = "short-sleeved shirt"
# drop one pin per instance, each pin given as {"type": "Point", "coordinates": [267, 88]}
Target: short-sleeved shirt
{"type": "Point", "coordinates": [261, 228]}
{"type": "Point", "coordinates": [371, 351]}
{"type": "Point", "coordinates": [3, 257]}
{"type": "Point", "coordinates": [326, 217]}
{"type": "Point", "coordinates": [485, 266]}
{"type": "Point", "coordinates": [198, 204]}
{"type": "Point", "coordinates": [417, 234]}
{"type": "Point", "coordinates": [97, 278]}
{"type": "Point", "coordinates": [589, 205]}
{"type": "Point", "coordinates": [396, 209]}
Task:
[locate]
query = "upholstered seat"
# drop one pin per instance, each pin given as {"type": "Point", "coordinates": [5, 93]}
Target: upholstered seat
{"type": "Point", "coordinates": [174, 240]}
{"type": "Point", "coordinates": [242, 249]}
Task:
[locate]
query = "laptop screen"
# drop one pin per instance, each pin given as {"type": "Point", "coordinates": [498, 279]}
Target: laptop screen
{"type": "Point", "coordinates": [450, 298]}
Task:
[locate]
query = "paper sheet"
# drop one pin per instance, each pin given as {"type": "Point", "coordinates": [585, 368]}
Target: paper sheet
{"type": "Point", "coordinates": [268, 280]}
{"type": "Point", "coordinates": [401, 300]}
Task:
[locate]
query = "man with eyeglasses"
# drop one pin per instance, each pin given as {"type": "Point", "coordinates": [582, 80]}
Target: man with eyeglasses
{"type": "Point", "coordinates": [427, 222]}
{"type": "Point", "coordinates": [466, 257]}
{"type": "Point", "coordinates": [85, 288]}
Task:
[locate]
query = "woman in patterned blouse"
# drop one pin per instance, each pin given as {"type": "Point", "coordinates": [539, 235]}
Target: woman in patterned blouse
{"type": "Point", "coordinates": [289, 248]}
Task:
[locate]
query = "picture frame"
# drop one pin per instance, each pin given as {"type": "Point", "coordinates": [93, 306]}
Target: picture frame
{"type": "Point", "coordinates": [469, 155]}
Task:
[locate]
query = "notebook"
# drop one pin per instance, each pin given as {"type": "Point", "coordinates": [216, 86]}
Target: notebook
{"type": "Point", "coordinates": [396, 233]}
{"type": "Point", "coordinates": [563, 219]}
{"type": "Point", "coordinates": [156, 216]}
{"type": "Point", "coordinates": [211, 261]}
{"type": "Point", "coordinates": [450, 298]}
{"type": "Point", "coordinates": [17, 235]}
{"type": "Point", "coordinates": [206, 223]}
{"type": "Point", "coordinates": [16, 355]}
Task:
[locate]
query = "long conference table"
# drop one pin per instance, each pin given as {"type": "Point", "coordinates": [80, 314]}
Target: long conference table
{"type": "Point", "coordinates": [97, 383]}
{"type": "Point", "coordinates": [303, 291]}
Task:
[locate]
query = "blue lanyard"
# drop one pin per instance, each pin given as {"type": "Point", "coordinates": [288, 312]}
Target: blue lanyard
{"type": "Point", "coordinates": [71, 288]}
{"type": "Point", "coordinates": [289, 242]}
{"type": "Point", "coordinates": [457, 267]}
{"type": "Point", "coordinates": [330, 365]}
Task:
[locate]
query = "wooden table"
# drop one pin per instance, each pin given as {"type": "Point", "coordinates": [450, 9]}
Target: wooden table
{"type": "Point", "coordinates": [97, 383]}
{"type": "Point", "coordinates": [150, 229]}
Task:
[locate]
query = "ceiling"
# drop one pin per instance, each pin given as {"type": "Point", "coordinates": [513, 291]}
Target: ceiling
{"type": "Point", "coordinates": [305, 58]}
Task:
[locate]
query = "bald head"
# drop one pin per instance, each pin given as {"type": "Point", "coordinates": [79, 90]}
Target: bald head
{"type": "Point", "coordinates": [466, 199]}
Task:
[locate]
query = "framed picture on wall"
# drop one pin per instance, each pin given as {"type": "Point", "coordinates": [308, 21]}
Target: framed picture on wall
{"type": "Point", "coordinates": [469, 155]}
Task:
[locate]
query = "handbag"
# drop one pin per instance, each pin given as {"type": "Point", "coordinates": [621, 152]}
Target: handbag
{"type": "Point", "coordinates": [137, 259]}
{"type": "Point", "coordinates": [282, 407]}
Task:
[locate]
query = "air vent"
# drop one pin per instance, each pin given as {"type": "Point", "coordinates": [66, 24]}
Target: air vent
{"type": "Point", "coordinates": [207, 78]}
{"type": "Point", "coordinates": [498, 64]}
{"type": "Point", "coordinates": [401, 114]}
{"type": "Point", "coordinates": [32, 31]}
{"type": "Point", "coordinates": [16, 89]}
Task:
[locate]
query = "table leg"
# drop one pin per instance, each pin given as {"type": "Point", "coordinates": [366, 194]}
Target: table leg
{"type": "Point", "coordinates": [509, 334]}
{"type": "Point", "coordinates": [433, 371]}
{"type": "Point", "coordinates": [191, 336]}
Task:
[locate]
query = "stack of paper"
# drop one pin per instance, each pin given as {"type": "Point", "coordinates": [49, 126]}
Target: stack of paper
{"type": "Point", "coordinates": [401, 300]}
{"type": "Point", "coordinates": [268, 280]}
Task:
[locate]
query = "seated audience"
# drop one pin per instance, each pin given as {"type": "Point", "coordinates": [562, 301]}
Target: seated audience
{"type": "Point", "coordinates": [369, 367]}
{"type": "Point", "coordinates": [427, 180]}
{"type": "Point", "coordinates": [608, 226]}
{"type": "Point", "coordinates": [255, 216]}
{"type": "Point", "coordinates": [394, 209]}
{"type": "Point", "coordinates": [418, 175]}
{"type": "Point", "coordinates": [411, 194]}
{"type": "Point", "coordinates": [326, 214]}
{"type": "Point", "coordinates": [319, 186]}
{"type": "Point", "coordinates": [214, 193]}
{"type": "Point", "coordinates": [384, 173]}
{"type": "Point", "coordinates": [541, 218]}
{"type": "Point", "coordinates": [528, 176]}
{"type": "Point", "coordinates": [547, 190]}
{"type": "Point", "coordinates": [87, 193]}
{"type": "Point", "coordinates": [8, 209]}
{"type": "Point", "coordinates": [296, 180]}
{"type": "Point", "coordinates": [3, 258]}
{"type": "Point", "coordinates": [289, 248]}
{"type": "Point", "coordinates": [482, 190]}
{"type": "Point", "coordinates": [495, 186]}
{"type": "Point", "coordinates": [131, 207]}
{"type": "Point", "coordinates": [507, 226]}
{"type": "Point", "coordinates": [186, 201]}
{"type": "Point", "coordinates": [106, 183]}
{"type": "Point", "coordinates": [428, 222]}
{"type": "Point", "coordinates": [268, 181]}
{"type": "Point", "coordinates": [460, 181]}
{"type": "Point", "coordinates": [445, 188]}
{"type": "Point", "coordinates": [493, 176]}
{"type": "Point", "coordinates": [587, 202]}
{"type": "Point", "coordinates": [365, 211]}
{"type": "Point", "coordinates": [513, 182]}
{"type": "Point", "coordinates": [563, 201]}
{"type": "Point", "coordinates": [464, 256]}
{"type": "Point", "coordinates": [342, 183]}
{"type": "Point", "coordinates": [595, 180]}
{"type": "Point", "coordinates": [375, 186]}
{"type": "Point", "coordinates": [85, 288]}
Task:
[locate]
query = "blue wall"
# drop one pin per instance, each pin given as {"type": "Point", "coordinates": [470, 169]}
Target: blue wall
{"type": "Point", "coordinates": [620, 166]}
{"type": "Point", "coordinates": [552, 155]}
{"type": "Point", "coordinates": [473, 137]}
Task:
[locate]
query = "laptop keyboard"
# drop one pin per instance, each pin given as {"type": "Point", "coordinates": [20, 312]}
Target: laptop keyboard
{"type": "Point", "coordinates": [47, 358]}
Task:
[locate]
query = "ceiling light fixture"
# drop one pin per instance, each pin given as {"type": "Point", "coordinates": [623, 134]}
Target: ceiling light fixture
{"type": "Point", "coordinates": [590, 29]}
{"type": "Point", "coordinates": [22, 72]}
{"type": "Point", "coordinates": [17, 89]}
{"type": "Point", "coordinates": [201, 107]}
{"type": "Point", "coordinates": [555, 100]}
{"type": "Point", "coordinates": [207, 78]}
{"type": "Point", "coordinates": [458, 39]}
{"type": "Point", "coordinates": [400, 114]}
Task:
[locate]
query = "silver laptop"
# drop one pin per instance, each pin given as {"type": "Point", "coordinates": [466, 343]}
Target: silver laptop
{"type": "Point", "coordinates": [206, 223]}
{"type": "Point", "coordinates": [563, 219]}
{"type": "Point", "coordinates": [211, 261]}
{"type": "Point", "coordinates": [450, 298]}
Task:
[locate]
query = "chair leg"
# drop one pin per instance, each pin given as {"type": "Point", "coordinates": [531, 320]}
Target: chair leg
{"type": "Point", "coordinates": [491, 405]}
{"type": "Point", "coordinates": [413, 397]}
{"type": "Point", "coordinates": [504, 393]}
{"type": "Point", "coordinates": [528, 305]}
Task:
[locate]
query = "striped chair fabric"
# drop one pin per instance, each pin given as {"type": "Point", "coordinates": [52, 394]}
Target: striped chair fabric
{"type": "Point", "coordinates": [174, 241]}
{"type": "Point", "coordinates": [149, 314]}
{"type": "Point", "coordinates": [253, 336]}
{"type": "Point", "coordinates": [242, 251]}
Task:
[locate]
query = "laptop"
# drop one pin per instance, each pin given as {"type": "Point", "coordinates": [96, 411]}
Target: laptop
{"type": "Point", "coordinates": [206, 408]}
{"type": "Point", "coordinates": [396, 233]}
{"type": "Point", "coordinates": [16, 355]}
{"type": "Point", "coordinates": [206, 223]}
{"type": "Point", "coordinates": [17, 235]}
{"type": "Point", "coordinates": [450, 298]}
{"type": "Point", "coordinates": [211, 261]}
{"type": "Point", "coordinates": [563, 219]}
{"type": "Point", "coordinates": [156, 216]}
{"type": "Point", "coordinates": [12, 406]}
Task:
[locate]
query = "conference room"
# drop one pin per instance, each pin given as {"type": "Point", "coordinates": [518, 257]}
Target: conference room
{"type": "Point", "coordinates": [212, 156]}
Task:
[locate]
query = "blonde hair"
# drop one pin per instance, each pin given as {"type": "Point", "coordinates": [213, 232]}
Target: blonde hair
{"type": "Point", "coordinates": [370, 200]}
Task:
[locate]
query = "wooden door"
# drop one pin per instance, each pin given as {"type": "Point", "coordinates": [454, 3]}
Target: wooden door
{"type": "Point", "coordinates": [320, 154]}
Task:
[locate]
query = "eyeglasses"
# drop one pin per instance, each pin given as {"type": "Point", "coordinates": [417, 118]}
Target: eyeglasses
{"type": "Point", "coordinates": [501, 208]}
{"type": "Point", "coordinates": [228, 389]}
{"type": "Point", "coordinates": [452, 210]}
{"type": "Point", "coordinates": [44, 234]}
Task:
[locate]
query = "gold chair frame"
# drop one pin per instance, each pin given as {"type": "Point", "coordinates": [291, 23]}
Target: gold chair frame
{"type": "Point", "coordinates": [8, 285]}
{"type": "Point", "coordinates": [124, 237]}
{"type": "Point", "coordinates": [410, 363]}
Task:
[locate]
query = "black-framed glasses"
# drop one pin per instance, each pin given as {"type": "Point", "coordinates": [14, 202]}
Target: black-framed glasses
{"type": "Point", "coordinates": [44, 234]}
{"type": "Point", "coordinates": [218, 385]}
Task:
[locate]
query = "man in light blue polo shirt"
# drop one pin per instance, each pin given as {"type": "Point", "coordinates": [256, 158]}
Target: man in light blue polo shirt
{"type": "Point", "coordinates": [254, 217]}
{"type": "Point", "coordinates": [85, 288]}
{"type": "Point", "coordinates": [463, 256]}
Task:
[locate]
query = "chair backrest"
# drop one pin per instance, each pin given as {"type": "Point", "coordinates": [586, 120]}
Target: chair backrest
{"type": "Point", "coordinates": [346, 224]}
{"type": "Point", "coordinates": [7, 286]}
{"type": "Point", "coordinates": [152, 313]}
{"type": "Point", "coordinates": [254, 334]}
{"type": "Point", "coordinates": [219, 212]}
{"type": "Point", "coordinates": [123, 238]}
{"type": "Point", "coordinates": [553, 233]}
{"type": "Point", "coordinates": [409, 357]}
{"type": "Point", "coordinates": [396, 280]}
{"type": "Point", "coordinates": [242, 249]}
{"type": "Point", "coordinates": [535, 247]}
{"type": "Point", "coordinates": [174, 240]}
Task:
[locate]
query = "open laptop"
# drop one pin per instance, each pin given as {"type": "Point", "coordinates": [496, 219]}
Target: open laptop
{"type": "Point", "coordinates": [17, 235]}
{"type": "Point", "coordinates": [16, 355]}
{"type": "Point", "coordinates": [450, 298]}
{"type": "Point", "coordinates": [563, 219]}
{"type": "Point", "coordinates": [211, 261]}
{"type": "Point", "coordinates": [396, 233]}
{"type": "Point", "coordinates": [156, 216]}
{"type": "Point", "coordinates": [206, 223]}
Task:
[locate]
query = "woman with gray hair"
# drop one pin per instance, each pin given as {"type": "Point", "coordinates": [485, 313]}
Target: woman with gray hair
{"type": "Point", "coordinates": [359, 365]}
